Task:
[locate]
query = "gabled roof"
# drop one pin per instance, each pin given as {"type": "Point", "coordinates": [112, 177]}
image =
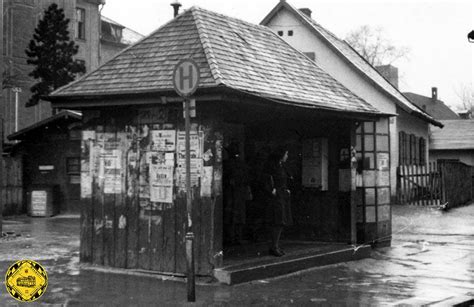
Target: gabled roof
{"type": "Point", "coordinates": [128, 35]}
{"type": "Point", "coordinates": [456, 134]}
{"type": "Point", "coordinates": [347, 53]}
{"type": "Point", "coordinates": [232, 54]}
{"type": "Point", "coordinates": [437, 108]}
{"type": "Point", "coordinates": [60, 116]}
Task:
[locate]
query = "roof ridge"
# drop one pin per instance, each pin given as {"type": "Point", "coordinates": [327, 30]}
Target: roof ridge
{"type": "Point", "coordinates": [207, 46]}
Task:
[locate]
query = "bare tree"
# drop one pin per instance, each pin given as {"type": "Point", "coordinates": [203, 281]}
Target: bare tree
{"type": "Point", "coordinates": [465, 92]}
{"type": "Point", "coordinates": [372, 44]}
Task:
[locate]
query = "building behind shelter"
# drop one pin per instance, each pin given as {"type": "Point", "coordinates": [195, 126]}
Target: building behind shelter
{"type": "Point", "coordinates": [433, 105]}
{"type": "Point", "coordinates": [455, 142]}
{"type": "Point", "coordinates": [19, 20]}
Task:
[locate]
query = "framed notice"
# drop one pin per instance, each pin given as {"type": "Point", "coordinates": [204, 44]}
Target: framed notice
{"type": "Point", "coordinates": [315, 163]}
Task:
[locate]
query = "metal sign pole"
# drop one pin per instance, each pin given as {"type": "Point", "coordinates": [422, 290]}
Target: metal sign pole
{"type": "Point", "coordinates": [191, 286]}
{"type": "Point", "coordinates": [186, 78]}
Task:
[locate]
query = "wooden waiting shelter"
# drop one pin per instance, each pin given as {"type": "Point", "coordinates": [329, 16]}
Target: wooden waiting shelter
{"type": "Point", "coordinates": [255, 90]}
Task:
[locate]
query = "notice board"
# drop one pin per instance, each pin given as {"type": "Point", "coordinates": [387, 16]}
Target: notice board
{"type": "Point", "coordinates": [315, 163]}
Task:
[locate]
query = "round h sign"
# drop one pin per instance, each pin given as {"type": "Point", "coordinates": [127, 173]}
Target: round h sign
{"type": "Point", "coordinates": [186, 77]}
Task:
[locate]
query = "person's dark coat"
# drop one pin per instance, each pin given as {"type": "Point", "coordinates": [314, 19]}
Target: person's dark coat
{"type": "Point", "coordinates": [278, 208]}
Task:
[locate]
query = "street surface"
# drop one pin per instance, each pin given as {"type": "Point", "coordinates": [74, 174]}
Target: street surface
{"type": "Point", "coordinates": [431, 261]}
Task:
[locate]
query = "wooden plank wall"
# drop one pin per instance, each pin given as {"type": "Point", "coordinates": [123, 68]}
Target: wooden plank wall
{"type": "Point", "coordinates": [124, 228]}
{"type": "Point", "coordinates": [456, 183]}
{"type": "Point", "coordinates": [11, 190]}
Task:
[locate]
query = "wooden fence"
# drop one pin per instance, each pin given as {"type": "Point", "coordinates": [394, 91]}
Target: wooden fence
{"type": "Point", "coordinates": [419, 185]}
{"type": "Point", "coordinates": [446, 183]}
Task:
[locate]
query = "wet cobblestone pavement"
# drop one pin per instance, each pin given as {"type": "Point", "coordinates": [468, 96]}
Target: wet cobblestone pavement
{"type": "Point", "coordinates": [431, 261]}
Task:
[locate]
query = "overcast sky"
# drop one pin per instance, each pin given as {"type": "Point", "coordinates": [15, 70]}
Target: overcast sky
{"type": "Point", "coordinates": [435, 31]}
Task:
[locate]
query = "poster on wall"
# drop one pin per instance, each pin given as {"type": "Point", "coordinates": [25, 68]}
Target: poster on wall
{"type": "Point", "coordinates": [86, 180]}
{"type": "Point", "coordinates": [196, 138]}
{"type": "Point", "coordinates": [196, 171]}
{"type": "Point", "coordinates": [206, 181]}
{"type": "Point", "coordinates": [163, 140]}
{"type": "Point", "coordinates": [315, 163]}
{"type": "Point", "coordinates": [110, 165]}
{"type": "Point", "coordinates": [112, 182]}
{"type": "Point", "coordinates": [87, 162]}
{"type": "Point", "coordinates": [383, 161]}
{"type": "Point", "coordinates": [161, 179]}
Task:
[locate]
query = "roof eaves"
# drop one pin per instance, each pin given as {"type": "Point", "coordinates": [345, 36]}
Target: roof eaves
{"type": "Point", "coordinates": [63, 114]}
{"type": "Point", "coordinates": [207, 46]}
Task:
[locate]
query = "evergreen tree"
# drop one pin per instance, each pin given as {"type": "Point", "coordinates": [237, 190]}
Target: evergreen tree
{"type": "Point", "coordinates": [51, 52]}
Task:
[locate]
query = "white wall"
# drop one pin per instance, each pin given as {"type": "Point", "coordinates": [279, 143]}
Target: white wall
{"type": "Point", "coordinates": [305, 40]}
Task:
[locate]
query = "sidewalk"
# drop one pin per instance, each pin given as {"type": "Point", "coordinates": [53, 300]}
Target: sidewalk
{"type": "Point", "coordinates": [430, 262]}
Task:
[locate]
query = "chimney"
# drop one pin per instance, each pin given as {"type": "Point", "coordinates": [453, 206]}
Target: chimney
{"type": "Point", "coordinates": [176, 5]}
{"type": "Point", "coordinates": [390, 73]}
{"type": "Point", "coordinates": [306, 11]}
{"type": "Point", "coordinates": [434, 94]}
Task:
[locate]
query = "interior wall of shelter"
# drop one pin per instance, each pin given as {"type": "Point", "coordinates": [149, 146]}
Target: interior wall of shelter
{"type": "Point", "coordinates": [322, 214]}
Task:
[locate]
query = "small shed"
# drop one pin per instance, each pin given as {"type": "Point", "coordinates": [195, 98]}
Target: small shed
{"type": "Point", "coordinates": [49, 153]}
{"type": "Point", "coordinates": [255, 90]}
{"type": "Point", "coordinates": [454, 142]}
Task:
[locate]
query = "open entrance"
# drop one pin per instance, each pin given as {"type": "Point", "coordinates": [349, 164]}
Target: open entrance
{"type": "Point", "coordinates": [317, 215]}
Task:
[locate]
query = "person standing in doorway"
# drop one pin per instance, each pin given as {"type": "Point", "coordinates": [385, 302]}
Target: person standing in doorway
{"type": "Point", "coordinates": [278, 202]}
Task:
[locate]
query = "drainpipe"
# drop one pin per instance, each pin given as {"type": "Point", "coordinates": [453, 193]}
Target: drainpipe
{"type": "Point", "coordinates": [99, 56]}
{"type": "Point", "coordinates": [17, 91]}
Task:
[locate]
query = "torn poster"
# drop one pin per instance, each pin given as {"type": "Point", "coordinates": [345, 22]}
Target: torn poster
{"type": "Point", "coordinates": [195, 138]}
{"type": "Point", "coordinates": [206, 181]}
{"type": "Point", "coordinates": [163, 140]}
{"type": "Point", "coordinates": [161, 180]}
{"type": "Point", "coordinates": [196, 170]}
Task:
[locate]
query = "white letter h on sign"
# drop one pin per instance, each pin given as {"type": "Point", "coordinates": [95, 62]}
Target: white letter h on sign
{"type": "Point", "coordinates": [182, 77]}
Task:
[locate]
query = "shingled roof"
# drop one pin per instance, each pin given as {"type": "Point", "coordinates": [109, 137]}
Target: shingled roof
{"type": "Point", "coordinates": [435, 108]}
{"type": "Point", "coordinates": [231, 54]}
{"type": "Point", "coordinates": [353, 58]}
{"type": "Point", "coordinates": [456, 134]}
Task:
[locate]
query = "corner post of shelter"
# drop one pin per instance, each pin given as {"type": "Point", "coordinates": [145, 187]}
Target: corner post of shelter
{"type": "Point", "coordinates": [354, 199]}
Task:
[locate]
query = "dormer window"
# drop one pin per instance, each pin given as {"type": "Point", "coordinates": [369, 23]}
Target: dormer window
{"type": "Point", "coordinates": [111, 32]}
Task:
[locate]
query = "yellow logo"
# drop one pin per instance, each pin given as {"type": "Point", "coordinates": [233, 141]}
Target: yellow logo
{"type": "Point", "coordinates": [26, 280]}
